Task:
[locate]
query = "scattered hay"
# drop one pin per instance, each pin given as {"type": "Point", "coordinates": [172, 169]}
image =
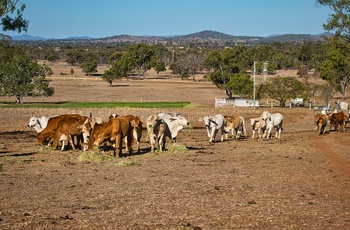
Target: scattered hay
{"type": "Point", "coordinates": [128, 163]}
{"type": "Point", "coordinates": [96, 155]}
{"type": "Point", "coordinates": [177, 148]}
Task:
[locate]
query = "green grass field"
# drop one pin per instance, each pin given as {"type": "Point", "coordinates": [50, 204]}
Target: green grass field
{"type": "Point", "coordinates": [97, 105]}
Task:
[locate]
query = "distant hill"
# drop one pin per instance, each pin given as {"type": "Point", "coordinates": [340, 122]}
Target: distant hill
{"type": "Point", "coordinates": [205, 37]}
{"type": "Point", "coordinates": [26, 37]}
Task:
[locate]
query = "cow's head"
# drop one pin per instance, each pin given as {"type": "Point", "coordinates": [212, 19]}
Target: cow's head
{"type": "Point", "coordinates": [182, 120]}
{"type": "Point", "coordinates": [265, 115]}
{"type": "Point", "coordinates": [86, 129]}
{"type": "Point", "coordinates": [33, 121]}
{"type": "Point", "coordinates": [136, 123]}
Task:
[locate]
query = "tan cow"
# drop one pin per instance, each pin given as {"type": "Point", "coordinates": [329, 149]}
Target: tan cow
{"type": "Point", "coordinates": [321, 121]}
{"type": "Point", "coordinates": [157, 130]}
{"type": "Point", "coordinates": [136, 125]}
{"type": "Point", "coordinates": [258, 124]}
{"type": "Point", "coordinates": [235, 125]}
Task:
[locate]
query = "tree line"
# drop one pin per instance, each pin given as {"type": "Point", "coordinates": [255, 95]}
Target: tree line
{"type": "Point", "coordinates": [228, 68]}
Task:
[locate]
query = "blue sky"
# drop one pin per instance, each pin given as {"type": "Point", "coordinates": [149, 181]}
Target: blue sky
{"type": "Point", "coordinates": [104, 18]}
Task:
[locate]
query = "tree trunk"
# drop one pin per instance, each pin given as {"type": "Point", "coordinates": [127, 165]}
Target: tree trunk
{"type": "Point", "coordinates": [19, 99]}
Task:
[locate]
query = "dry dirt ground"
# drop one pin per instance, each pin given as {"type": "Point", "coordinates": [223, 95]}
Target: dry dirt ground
{"type": "Point", "coordinates": [301, 181]}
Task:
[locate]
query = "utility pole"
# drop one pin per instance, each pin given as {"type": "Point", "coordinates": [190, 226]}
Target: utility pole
{"type": "Point", "coordinates": [254, 84]}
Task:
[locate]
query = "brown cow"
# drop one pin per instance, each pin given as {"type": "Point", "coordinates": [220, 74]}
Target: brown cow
{"type": "Point", "coordinates": [47, 134]}
{"type": "Point", "coordinates": [116, 129]}
{"type": "Point", "coordinates": [321, 121]}
{"type": "Point", "coordinates": [338, 120]}
{"type": "Point", "coordinates": [136, 125]}
{"type": "Point", "coordinates": [93, 133]}
{"type": "Point", "coordinates": [66, 128]}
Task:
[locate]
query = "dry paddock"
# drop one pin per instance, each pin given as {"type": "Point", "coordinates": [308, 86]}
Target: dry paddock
{"type": "Point", "coordinates": [301, 181]}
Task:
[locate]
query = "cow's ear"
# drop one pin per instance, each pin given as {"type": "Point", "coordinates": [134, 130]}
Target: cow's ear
{"type": "Point", "coordinates": [201, 120]}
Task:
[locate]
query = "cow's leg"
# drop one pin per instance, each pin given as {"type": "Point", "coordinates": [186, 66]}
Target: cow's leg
{"type": "Point", "coordinates": [118, 145]}
{"type": "Point", "coordinates": [160, 142]}
{"type": "Point", "coordinates": [277, 132]}
{"type": "Point", "coordinates": [212, 135]}
{"type": "Point", "coordinates": [129, 142]}
{"type": "Point", "coordinates": [70, 140]}
{"type": "Point", "coordinates": [152, 141]}
{"type": "Point", "coordinates": [253, 131]}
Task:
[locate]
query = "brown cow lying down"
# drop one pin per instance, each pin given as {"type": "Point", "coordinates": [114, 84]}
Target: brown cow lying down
{"type": "Point", "coordinates": [321, 121]}
{"type": "Point", "coordinates": [337, 120]}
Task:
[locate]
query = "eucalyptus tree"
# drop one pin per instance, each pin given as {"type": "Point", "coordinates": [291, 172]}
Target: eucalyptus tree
{"type": "Point", "coordinates": [339, 22]}
{"type": "Point", "coordinates": [20, 76]}
{"type": "Point", "coordinates": [141, 56]}
{"type": "Point", "coordinates": [16, 22]}
{"type": "Point", "coordinates": [224, 65]}
{"type": "Point", "coordinates": [284, 88]}
{"type": "Point", "coordinates": [336, 68]}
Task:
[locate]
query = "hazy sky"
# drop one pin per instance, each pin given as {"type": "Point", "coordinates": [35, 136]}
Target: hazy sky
{"type": "Point", "coordinates": [103, 18]}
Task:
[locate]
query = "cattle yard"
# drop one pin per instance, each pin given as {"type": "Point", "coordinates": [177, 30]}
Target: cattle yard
{"type": "Point", "coordinates": [300, 181]}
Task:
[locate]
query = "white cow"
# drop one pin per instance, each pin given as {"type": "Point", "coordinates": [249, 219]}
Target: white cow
{"type": "Point", "coordinates": [272, 120]}
{"type": "Point", "coordinates": [214, 124]}
{"type": "Point", "coordinates": [175, 123]}
{"type": "Point", "coordinates": [259, 125]}
{"type": "Point", "coordinates": [38, 123]}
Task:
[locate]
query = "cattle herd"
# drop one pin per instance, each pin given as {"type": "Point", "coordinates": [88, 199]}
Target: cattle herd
{"type": "Point", "coordinates": [337, 120]}
{"type": "Point", "coordinates": [77, 131]}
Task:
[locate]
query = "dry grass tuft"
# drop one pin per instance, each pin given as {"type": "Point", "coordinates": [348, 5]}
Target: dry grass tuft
{"type": "Point", "coordinates": [177, 148]}
{"type": "Point", "coordinates": [96, 155]}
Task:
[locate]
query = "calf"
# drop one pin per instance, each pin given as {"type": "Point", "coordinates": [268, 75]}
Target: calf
{"type": "Point", "coordinates": [236, 125]}
{"type": "Point", "coordinates": [136, 125]}
{"type": "Point", "coordinates": [338, 120]}
{"type": "Point", "coordinates": [259, 125]}
{"type": "Point", "coordinates": [321, 121]}
{"type": "Point", "coordinates": [157, 130]}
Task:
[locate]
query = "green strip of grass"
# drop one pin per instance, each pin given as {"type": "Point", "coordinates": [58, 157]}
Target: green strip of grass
{"type": "Point", "coordinates": [97, 105]}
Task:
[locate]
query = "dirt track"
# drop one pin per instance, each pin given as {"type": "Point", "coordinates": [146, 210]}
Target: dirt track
{"type": "Point", "coordinates": [299, 182]}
